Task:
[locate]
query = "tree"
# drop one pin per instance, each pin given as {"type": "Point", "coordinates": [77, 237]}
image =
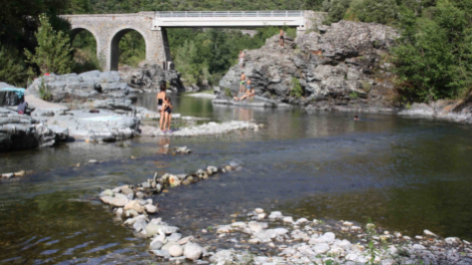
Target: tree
{"type": "Point", "coordinates": [336, 10]}
{"type": "Point", "coordinates": [53, 53]}
{"type": "Point", "coordinates": [378, 11]}
{"type": "Point", "coordinates": [12, 68]}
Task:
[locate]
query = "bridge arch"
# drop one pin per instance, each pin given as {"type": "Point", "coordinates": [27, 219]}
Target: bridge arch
{"type": "Point", "coordinates": [115, 42]}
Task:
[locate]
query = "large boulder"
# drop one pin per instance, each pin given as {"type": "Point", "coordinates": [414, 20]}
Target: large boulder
{"type": "Point", "coordinates": [149, 76]}
{"type": "Point", "coordinates": [93, 84]}
{"type": "Point", "coordinates": [343, 65]}
{"type": "Point", "coordinates": [21, 132]}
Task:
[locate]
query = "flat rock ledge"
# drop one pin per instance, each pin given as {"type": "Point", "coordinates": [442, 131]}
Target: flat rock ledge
{"type": "Point", "coordinates": [211, 128]}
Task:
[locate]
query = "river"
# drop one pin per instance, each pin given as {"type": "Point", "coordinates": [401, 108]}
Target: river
{"type": "Point", "coordinates": [404, 174]}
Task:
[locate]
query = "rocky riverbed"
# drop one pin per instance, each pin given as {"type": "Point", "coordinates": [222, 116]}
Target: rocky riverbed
{"type": "Point", "coordinates": [272, 238]}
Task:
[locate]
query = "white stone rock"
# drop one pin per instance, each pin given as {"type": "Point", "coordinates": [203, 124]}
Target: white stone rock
{"type": "Point", "coordinates": [280, 231]}
{"type": "Point", "coordinates": [345, 244]}
{"type": "Point", "coordinates": [176, 251]}
{"type": "Point", "coordinates": [419, 237]}
{"type": "Point", "coordinates": [406, 237]}
{"type": "Point", "coordinates": [356, 228]}
{"type": "Point", "coordinates": [452, 240]}
{"type": "Point", "coordinates": [275, 215]}
{"type": "Point", "coordinates": [388, 262]}
{"type": "Point", "coordinates": [106, 199]}
{"type": "Point", "coordinates": [301, 221]}
{"type": "Point", "coordinates": [255, 226]}
{"type": "Point", "coordinates": [419, 247]}
{"type": "Point", "coordinates": [348, 224]}
{"type": "Point", "coordinates": [193, 251]}
{"type": "Point", "coordinates": [426, 232]}
{"type": "Point", "coordinates": [287, 219]}
{"type": "Point", "coordinates": [150, 208]}
{"type": "Point", "coordinates": [241, 225]}
{"type": "Point", "coordinates": [223, 229]}
{"type": "Point", "coordinates": [185, 240]}
{"type": "Point", "coordinates": [321, 248]}
{"type": "Point", "coordinates": [261, 216]}
{"type": "Point", "coordinates": [315, 222]}
{"type": "Point", "coordinates": [351, 256]}
{"type": "Point", "coordinates": [259, 210]}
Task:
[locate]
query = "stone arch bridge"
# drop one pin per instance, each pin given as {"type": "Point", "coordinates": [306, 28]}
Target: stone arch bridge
{"type": "Point", "coordinates": [108, 29]}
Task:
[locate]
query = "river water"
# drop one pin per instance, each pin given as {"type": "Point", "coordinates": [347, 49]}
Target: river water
{"type": "Point", "coordinates": [404, 174]}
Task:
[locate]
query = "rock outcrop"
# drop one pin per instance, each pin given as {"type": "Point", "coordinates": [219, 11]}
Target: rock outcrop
{"type": "Point", "coordinates": [149, 76]}
{"type": "Point", "coordinates": [21, 132]}
{"type": "Point", "coordinates": [341, 66]}
{"type": "Point", "coordinates": [84, 86]}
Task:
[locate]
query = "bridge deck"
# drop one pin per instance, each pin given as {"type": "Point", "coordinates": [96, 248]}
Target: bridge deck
{"type": "Point", "coordinates": [229, 19]}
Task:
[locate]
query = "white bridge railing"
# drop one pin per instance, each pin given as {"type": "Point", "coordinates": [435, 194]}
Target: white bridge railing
{"type": "Point", "coordinates": [279, 13]}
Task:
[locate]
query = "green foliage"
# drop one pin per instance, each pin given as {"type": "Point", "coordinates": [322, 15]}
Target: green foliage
{"type": "Point", "coordinates": [354, 95]}
{"type": "Point", "coordinates": [12, 67]}
{"type": "Point", "coordinates": [228, 93]}
{"type": "Point", "coordinates": [132, 49]}
{"type": "Point", "coordinates": [44, 92]}
{"type": "Point", "coordinates": [336, 10]}
{"type": "Point", "coordinates": [53, 54]}
{"type": "Point", "coordinates": [378, 11]}
{"type": "Point", "coordinates": [296, 90]}
{"type": "Point", "coordinates": [434, 58]}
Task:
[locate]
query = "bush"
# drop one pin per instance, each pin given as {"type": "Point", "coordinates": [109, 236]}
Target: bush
{"type": "Point", "coordinates": [12, 67]}
{"type": "Point", "coordinates": [44, 92]}
{"type": "Point", "coordinates": [296, 90]}
{"type": "Point", "coordinates": [53, 53]}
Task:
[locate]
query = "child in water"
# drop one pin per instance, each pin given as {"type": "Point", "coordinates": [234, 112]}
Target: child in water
{"type": "Point", "coordinates": [167, 110]}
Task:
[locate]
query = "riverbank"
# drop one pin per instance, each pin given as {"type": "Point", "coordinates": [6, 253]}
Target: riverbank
{"type": "Point", "coordinates": [274, 238]}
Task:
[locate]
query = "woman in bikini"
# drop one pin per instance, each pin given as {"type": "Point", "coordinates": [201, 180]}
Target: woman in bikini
{"type": "Point", "coordinates": [167, 110]}
{"type": "Point", "coordinates": [160, 100]}
{"type": "Point", "coordinates": [281, 38]}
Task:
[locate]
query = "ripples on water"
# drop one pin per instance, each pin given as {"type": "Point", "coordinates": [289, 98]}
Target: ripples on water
{"type": "Point", "coordinates": [404, 174]}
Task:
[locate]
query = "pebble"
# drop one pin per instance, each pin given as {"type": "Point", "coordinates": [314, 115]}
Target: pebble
{"type": "Point", "coordinates": [176, 250]}
{"type": "Point", "coordinates": [287, 219]}
{"type": "Point", "coordinates": [161, 253]}
{"type": "Point", "coordinates": [429, 233]}
{"type": "Point", "coordinates": [150, 208]}
{"type": "Point", "coordinates": [259, 210]}
{"type": "Point", "coordinates": [241, 225]}
{"type": "Point", "coordinates": [275, 215]}
{"type": "Point", "coordinates": [348, 224]}
{"type": "Point", "coordinates": [134, 205]}
{"type": "Point", "coordinates": [92, 161]}
{"type": "Point", "coordinates": [193, 251]}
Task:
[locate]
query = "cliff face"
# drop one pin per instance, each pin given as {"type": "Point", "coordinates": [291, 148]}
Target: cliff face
{"type": "Point", "coordinates": [341, 66]}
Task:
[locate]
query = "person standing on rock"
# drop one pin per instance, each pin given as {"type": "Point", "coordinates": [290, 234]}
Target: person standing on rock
{"type": "Point", "coordinates": [161, 95]}
{"type": "Point", "coordinates": [242, 84]}
{"type": "Point", "coordinates": [241, 59]}
{"type": "Point", "coordinates": [281, 38]}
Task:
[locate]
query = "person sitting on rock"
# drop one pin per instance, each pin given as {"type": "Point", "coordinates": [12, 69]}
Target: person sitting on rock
{"type": "Point", "coordinates": [167, 110]}
{"type": "Point", "coordinates": [249, 93]}
{"type": "Point", "coordinates": [160, 100]}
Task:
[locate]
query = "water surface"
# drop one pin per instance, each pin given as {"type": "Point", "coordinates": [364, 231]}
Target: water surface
{"type": "Point", "coordinates": [405, 174]}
